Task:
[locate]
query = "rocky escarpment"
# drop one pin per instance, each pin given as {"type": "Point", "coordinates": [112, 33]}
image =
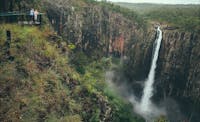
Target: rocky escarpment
{"type": "Point", "coordinates": [98, 32]}
{"type": "Point", "coordinates": [138, 60]}
{"type": "Point", "coordinates": [93, 28]}
{"type": "Point", "coordinates": [179, 69]}
{"type": "Point", "coordinates": [177, 74]}
{"type": "Point", "coordinates": [179, 60]}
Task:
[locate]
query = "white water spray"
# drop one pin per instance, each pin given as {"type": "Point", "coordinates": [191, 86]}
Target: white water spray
{"type": "Point", "coordinates": [143, 107]}
{"type": "Point", "coordinates": [146, 104]}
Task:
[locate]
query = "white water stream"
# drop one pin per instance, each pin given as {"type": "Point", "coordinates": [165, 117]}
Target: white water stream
{"type": "Point", "coordinates": [145, 103]}
{"type": "Point", "coordinates": [143, 107]}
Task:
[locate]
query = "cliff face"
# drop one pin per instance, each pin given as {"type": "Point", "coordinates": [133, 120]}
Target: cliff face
{"type": "Point", "coordinates": [98, 32]}
{"type": "Point", "coordinates": [178, 73]}
{"type": "Point", "coordinates": [93, 28]}
{"type": "Point", "coordinates": [179, 64]}
{"type": "Point", "coordinates": [178, 68]}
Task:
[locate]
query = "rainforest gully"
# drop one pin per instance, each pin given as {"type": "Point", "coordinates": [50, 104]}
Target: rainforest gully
{"type": "Point", "coordinates": [99, 61]}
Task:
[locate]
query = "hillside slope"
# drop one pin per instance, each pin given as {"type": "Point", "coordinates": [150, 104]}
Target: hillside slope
{"type": "Point", "coordinates": [38, 83]}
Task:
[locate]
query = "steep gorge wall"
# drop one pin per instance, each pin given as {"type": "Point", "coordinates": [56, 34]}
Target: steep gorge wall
{"type": "Point", "coordinates": [94, 29]}
{"type": "Point", "coordinates": [179, 64]}
{"type": "Point", "coordinates": [178, 69]}
{"type": "Point", "coordinates": [98, 32]}
{"type": "Point", "coordinates": [178, 73]}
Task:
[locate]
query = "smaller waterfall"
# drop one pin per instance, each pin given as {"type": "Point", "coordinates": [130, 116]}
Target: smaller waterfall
{"type": "Point", "coordinates": [148, 89]}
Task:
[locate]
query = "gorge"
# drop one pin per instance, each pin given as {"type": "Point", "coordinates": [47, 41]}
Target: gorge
{"type": "Point", "coordinates": [58, 70]}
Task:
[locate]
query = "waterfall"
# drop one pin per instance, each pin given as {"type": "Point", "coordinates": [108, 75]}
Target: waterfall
{"type": "Point", "coordinates": [148, 88]}
{"type": "Point", "coordinates": [143, 107]}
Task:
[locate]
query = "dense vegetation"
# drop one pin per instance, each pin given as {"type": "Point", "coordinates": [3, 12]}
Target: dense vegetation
{"type": "Point", "coordinates": [127, 13]}
{"type": "Point", "coordinates": [184, 17]}
{"type": "Point", "coordinates": [38, 82]}
{"type": "Point", "coordinates": [18, 5]}
{"type": "Point", "coordinates": [43, 77]}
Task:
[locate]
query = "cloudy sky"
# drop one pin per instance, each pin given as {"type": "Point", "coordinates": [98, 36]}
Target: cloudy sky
{"type": "Point", "coordinates": [160, 1]}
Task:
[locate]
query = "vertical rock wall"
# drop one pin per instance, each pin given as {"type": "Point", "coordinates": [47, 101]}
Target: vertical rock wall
{"type": "Point", "coordinates": [178, 70]}
{"type": "Point", "coordinates": [92, 28]}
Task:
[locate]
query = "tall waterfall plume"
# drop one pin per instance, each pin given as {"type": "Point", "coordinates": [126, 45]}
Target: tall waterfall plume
{"type": "Point", "coordinates": [148, 88]}
{"type": "Point", "coordinates": [144, 107]}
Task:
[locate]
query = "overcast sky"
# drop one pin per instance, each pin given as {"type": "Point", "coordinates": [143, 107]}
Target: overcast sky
{"type": "Point", "coordinates": [160, 1]}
